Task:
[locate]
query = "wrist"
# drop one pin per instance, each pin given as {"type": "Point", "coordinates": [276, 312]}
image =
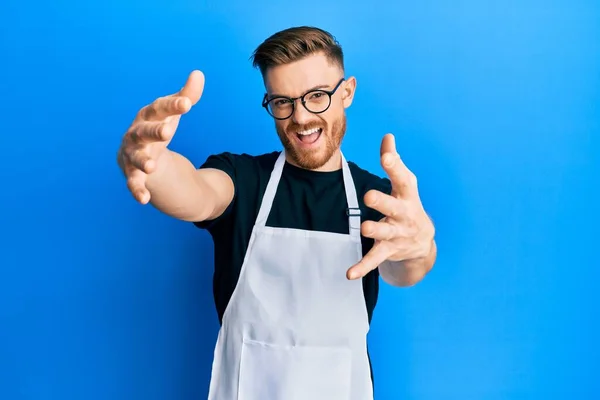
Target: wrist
{"type": "Point", "coordinates": [408, 271]}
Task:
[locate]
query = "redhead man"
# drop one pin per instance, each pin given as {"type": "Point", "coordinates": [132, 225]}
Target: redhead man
{"type": "Point", "coordinates": [301, 235]}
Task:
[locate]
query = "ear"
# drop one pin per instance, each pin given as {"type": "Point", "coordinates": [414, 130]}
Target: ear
{"type": "Point", "coordinates": [348, 90]}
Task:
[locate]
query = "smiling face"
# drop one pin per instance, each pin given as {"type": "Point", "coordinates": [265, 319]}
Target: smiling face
{"type": "Point", "coordinates": [311, 140]}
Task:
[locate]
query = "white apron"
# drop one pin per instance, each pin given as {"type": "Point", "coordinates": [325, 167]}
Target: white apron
{"type": "Point", "coordinates": [295, 327]}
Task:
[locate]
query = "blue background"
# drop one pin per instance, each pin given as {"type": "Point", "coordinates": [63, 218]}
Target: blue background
{"type": "Point", "coordinates": [495, 108]}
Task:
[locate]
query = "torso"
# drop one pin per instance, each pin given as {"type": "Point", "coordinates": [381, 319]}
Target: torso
{"type": "Point", "coordinates": [305, 200]}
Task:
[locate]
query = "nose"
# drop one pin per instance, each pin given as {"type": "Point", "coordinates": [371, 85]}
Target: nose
{"type": "Point", "coordinates": [301, 115]}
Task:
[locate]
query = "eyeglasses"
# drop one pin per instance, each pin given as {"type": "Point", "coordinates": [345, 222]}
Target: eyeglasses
{"type": "Point", "coordinates": [315, 101]}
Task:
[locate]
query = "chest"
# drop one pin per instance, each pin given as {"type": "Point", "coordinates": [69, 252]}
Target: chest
{"type": "Point", "coordinates": [310, 205]}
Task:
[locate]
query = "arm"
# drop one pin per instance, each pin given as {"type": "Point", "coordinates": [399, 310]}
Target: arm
{"type": "Point", "coordinates": [162, 177]}
{"type": "Point", "coordinates": [180, 190]}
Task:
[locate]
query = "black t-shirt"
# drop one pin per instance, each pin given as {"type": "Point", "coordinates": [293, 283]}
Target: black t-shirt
{"type": "Point", "coordinates": [306, 200]}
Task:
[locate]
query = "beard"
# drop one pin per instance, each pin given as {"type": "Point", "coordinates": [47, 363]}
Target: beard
{"type": "Point", "coordinates": [313, 158]}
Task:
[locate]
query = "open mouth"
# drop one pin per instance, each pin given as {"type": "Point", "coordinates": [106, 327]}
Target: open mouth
{"type": "Point", "coordinates": [309, 136]}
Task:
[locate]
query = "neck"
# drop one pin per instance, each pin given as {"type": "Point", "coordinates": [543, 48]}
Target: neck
{"type": "Point", "coordinates": [333, 164]}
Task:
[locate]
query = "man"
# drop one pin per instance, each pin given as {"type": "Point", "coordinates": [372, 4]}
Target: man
{"type": "Point", "coordinates": [301, 236]}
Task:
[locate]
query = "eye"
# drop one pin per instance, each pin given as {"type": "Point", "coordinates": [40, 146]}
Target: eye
{"type": "Point", "coordinates": [280, 102]}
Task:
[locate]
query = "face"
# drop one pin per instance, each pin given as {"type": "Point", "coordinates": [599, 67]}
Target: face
{"type": "Point", "coordinates": [312, 141]}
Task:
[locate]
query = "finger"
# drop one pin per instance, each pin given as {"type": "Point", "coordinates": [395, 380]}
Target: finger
{"type": "Point", "coordinates": [150, 132]}
{"type": "Point", "coordinates": [140, 159]}
{"type": "Point", "coordinates": [165, 107]}
{"type": "Point", "coordinates": [394, 167]}
{"type": "Point", "coordinates": [194, 86]}
{"type": "Point", "coordinates": [378, 254]}
{"type": "Point", "coordinates": [121, 160]}
{"type": "Point", "coordinates": [384, 203]}
{"type": "Point", "coordinates": [390, 159]}
{"type": "Point", "coordinates": [136, 181]}
{"type": "Point", "coordinates": [402, 179]}
{"type": "Point", "coordinates": [388, 145]}
{"type": "Point", "coordinates": [380, 231]}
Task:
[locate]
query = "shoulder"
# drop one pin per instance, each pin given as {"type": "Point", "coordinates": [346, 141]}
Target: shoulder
{"type": "Point", "coordinates": [365, 180]}
{"type": "Point", "coordinates": [240, 163]}
{"type": "Point", "coordinates": [249, 173]}
{"type": "Point", "coordinates": [243, 169]}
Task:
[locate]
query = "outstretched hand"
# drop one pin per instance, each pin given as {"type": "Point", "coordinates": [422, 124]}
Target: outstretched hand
{"type": "Point", "coordinates": [405, 232]}
{"type": "Point", "coordinates": [154, 126]}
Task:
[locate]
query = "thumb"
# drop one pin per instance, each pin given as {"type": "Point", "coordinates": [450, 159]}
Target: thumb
{"type": "Point", "coordinates": [194, 86]}
{"type": "Point", "coordinates": [388, 145]}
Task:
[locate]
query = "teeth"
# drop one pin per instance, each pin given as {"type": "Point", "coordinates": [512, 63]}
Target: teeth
{"type": "Point", "coordinates": [309, 132]}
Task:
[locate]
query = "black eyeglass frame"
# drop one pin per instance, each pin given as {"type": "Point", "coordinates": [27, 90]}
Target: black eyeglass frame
{"type": "Point", "coordinates": [292, 100]}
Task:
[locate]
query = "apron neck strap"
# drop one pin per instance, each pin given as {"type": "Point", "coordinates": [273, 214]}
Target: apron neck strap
{"type": "Point", "coordinates": [353, 211]}
{"type": "Point", "coordinates": [267, 201]}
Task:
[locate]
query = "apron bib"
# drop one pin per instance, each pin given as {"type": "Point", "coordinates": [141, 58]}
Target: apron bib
{"type": "Point", "coordinates": [295, 327]}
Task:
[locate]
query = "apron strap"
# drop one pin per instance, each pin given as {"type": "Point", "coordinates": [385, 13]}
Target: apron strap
{"type": "Point", "coordinates": [269, 196]}
{"type": "Point", "coordinates": [353, 210]}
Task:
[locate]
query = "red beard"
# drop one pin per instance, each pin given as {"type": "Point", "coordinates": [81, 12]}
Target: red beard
{"type": "Point", "coordinates": [313, 158]}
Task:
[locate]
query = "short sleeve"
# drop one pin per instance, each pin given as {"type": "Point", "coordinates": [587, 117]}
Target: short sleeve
{"type": "Point", "coordinates": [225, 162]}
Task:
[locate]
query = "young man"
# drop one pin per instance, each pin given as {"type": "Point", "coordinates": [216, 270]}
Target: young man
{"type": "Point", "coordinates": [301, 235]}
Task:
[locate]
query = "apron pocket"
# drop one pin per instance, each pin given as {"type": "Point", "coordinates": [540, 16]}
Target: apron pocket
{"type": "Point", "coordinates": [271, 372]}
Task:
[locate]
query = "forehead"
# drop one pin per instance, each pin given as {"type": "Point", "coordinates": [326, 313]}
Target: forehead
{"type": "Point", "coordinates": [296, 78]}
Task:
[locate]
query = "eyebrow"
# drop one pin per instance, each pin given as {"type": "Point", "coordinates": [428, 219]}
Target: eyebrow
{"type": "Point", "coordinates": [308, 90]}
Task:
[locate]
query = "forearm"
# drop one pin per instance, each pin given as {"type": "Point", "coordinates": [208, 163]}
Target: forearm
{"type": "Point", "coordinates": [179, 190]}
{"type": "Point", "coordinates": [408, 272]}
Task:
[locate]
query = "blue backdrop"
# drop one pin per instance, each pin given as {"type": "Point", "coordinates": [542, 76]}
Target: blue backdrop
{"type": "Point", "coordinates": [495, 108]}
